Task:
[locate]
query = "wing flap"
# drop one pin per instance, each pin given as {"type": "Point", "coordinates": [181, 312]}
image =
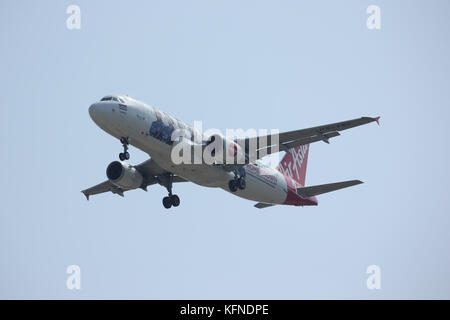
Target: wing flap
{"type": "Point", "coordinates": [306, 192]}
{"type": "Point", "coordinates": [285, 146]}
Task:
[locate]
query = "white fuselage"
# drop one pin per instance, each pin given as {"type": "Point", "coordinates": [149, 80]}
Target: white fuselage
{"type": "Point", "coordinates": [133, 119]}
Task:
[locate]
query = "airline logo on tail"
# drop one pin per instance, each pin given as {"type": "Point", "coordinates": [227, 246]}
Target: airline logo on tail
{"type": "Point", "coordinates": [294, 163]}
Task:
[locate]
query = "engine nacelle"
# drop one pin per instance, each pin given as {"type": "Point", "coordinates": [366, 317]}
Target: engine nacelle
{"type": "Point", "coordinates": [124, 175]}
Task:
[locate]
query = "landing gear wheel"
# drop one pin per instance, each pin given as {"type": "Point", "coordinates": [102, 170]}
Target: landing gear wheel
{"type": "Point", "coordinates": [175, 200]}
{"type": "Point", "coordinates": [167, 202]}
{"type": "Point", "coordinates": [232, 185]}
{"type": "Point", "coordinates": [241, 183]}
{"type": "Point", "coordinates": [172, 199]}
{"type": "Point", "coordinates": [124, 155]}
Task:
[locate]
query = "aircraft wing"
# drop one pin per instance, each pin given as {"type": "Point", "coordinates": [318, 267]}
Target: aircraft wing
{"type": "Point", "coordinates": [105, 186]}
{"type": "Point", "coordinates": [291, 139]}
{"type": "Point", "coordinates": [149, 170]}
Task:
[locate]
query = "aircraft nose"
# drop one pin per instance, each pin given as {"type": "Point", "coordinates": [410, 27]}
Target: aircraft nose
{"type": "Point", "coordinates": [93, 110]}
{"type": "Point", "coordinates": [97, 112]}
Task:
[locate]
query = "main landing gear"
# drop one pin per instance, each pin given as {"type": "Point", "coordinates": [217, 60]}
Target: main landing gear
{"type": "Point", "coordinates": [124, 155]}
{"type": "Point", "coordinates": [239, 180]}
{"type": "Point", "coordinates": [171, 199]}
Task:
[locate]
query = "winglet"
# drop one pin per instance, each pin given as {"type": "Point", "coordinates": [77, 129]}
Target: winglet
{"type": "Point", "coordinates": [377, 119]}
{"type": "Point", "coordinates": [86, 195]}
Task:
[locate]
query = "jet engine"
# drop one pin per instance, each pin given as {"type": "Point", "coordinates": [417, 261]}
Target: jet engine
{"type": "Point", "coordinates": [124, 175]}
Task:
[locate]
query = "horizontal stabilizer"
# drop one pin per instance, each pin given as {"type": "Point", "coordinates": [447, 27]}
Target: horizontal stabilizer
{"type": "Point", "coordinates": [324, 188]}
{"type": "Point", "coordinates": [261, 205]}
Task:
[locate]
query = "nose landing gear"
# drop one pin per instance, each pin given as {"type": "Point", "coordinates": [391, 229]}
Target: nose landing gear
{"type": "Point", "coordinates": [124, 155]}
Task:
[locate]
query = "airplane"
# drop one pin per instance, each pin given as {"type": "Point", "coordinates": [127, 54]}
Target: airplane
{"type": "Point", "coordinates": [151, 130]}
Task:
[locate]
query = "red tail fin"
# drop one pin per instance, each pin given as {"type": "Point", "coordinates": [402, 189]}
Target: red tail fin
{"type": "Point", "coordinates": [294, 163]}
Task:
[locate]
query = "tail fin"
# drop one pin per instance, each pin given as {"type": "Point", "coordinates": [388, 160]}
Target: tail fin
{"type": "Point", "coordinates": [294, 163]}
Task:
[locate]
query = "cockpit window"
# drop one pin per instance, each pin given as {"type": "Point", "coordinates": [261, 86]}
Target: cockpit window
{"type": "Point", "coordinates": [110, 98]}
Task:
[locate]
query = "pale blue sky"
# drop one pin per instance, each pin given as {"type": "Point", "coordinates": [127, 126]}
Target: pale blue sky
{"type": "Point", "coordinates": [232, 64]}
